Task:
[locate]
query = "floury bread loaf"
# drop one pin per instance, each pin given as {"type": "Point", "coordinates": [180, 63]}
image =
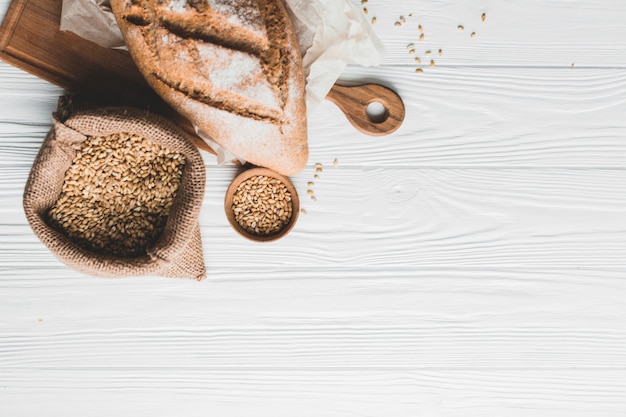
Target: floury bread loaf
{"type": "Point", "coordinates": [232, 67]}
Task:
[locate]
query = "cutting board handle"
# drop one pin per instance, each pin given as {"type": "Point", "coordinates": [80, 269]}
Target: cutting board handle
{"type": "Point", "coordinates": [354, 102]}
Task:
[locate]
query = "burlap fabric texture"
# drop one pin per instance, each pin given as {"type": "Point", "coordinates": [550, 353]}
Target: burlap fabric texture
{"type": "Point", "coordinates": [178, 251]}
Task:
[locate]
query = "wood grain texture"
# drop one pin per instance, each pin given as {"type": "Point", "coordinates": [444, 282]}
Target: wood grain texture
{"type": "Point", "coordinates": [444, 341]}
{"type": "Point", "coordinates": [355, 102]}
{"type": "Point", "coordinates": [503, 117]}
{"type": "Point", "coordinates": [470, 264]}
{"type": "Point", "coordinates": [425, 217]}
{"type": "Point", "coordinates": [436, 319]}
{"type": "Point", "coordinates": [198, 392]}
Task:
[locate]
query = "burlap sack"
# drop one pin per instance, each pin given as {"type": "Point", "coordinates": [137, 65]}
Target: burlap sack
{"type": "Point", "coordinates": [177, 252]}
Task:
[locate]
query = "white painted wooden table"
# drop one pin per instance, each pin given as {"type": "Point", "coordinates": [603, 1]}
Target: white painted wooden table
{"type": "Point", "coordinates": [472, 264]}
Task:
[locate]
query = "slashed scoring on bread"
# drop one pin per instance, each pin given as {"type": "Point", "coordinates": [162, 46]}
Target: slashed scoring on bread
{"type": "Point", "coordinates": [232, 67]}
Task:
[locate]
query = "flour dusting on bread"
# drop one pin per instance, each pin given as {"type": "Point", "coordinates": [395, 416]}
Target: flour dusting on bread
{"type": "Point", "coordinates": [232, 67]}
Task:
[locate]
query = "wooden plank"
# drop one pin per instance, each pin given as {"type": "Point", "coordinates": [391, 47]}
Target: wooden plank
{"type": "Point", "coordinates": [518, 319]}
{"type": "Point", "coordinates": [507, 218]}
{"type": "Point", "coordinates": [311, 392]}
{"type": "Point", "coordinates": [454, 118]}
{"type": "Point", "coordinates": [27, 104]}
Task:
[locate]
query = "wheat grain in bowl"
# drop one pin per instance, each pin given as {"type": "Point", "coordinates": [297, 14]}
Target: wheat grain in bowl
{"type": "Point", "coordinates": [117, 193]}
{"type": "Point", "coordinates": [261, 204]}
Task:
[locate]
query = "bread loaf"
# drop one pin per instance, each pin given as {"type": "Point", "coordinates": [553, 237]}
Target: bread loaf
{"type": "Point", "coordinates": [232, 67]}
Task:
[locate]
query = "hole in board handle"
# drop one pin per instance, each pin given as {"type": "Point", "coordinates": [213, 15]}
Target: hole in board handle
{"type": "Point", "coordinates": [377, 112]}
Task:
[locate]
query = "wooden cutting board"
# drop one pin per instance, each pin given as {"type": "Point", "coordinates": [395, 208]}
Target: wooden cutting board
{"type": "Point", "coordinates": [31, 40]}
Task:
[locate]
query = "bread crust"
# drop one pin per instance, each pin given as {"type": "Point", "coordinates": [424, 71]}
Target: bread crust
{"type": "Point", "coordinates": [232, 67]}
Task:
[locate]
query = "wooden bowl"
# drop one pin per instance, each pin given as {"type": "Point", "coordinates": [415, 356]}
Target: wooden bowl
{"type": "Point", "coordinates": [234, 207]}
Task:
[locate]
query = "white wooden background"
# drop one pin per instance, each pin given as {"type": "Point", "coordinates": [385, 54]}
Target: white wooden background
{"type": "Point", "coordinates": [472, 264]}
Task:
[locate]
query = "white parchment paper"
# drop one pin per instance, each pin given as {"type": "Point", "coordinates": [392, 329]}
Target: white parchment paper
{"type": "Point", "coordinates": [92, 20]}
{"type": "Point", "coordinates": [332, 34]}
